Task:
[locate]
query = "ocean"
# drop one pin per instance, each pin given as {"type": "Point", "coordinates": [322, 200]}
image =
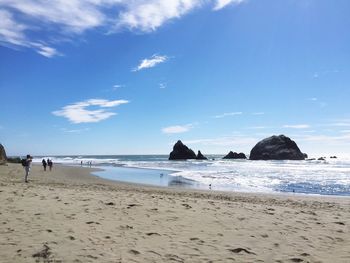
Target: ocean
{"type": "Point", "coordinates": [330, 177]}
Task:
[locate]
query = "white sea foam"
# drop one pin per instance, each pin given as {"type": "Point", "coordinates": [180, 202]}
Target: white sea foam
{"type": "Point", "coordinates": [320, 177]}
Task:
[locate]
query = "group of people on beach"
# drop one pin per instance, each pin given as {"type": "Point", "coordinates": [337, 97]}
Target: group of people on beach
{"type": "Point", "coordinates": [47, 163]}
{"type": "Point", "coordinates": [27, 163]}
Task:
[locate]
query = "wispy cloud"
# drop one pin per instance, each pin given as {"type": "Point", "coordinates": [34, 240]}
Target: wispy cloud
{"type": "Point", "coordinates": [258, 127]}
{"type": "Point", "coordinates": [148, 15]}
{"type": "Point", "coordinates": [322, 104]}
{"type": "Point", "coordinates": [80, 113]}
{"type": "Point", "coordinates": [67, 18]}
{"type": "Point", "coordinates": [177, 129]}
{"type": "Point", "coordinates": [12, 34]}
{"type": "Point", "coordinates": [220, 4]}
{"type": "Point", "coordinates": [228, 114]}
{"type": "Point", "coordinates": [319, 74]}
{"type": "Point", "coordinates": [341, 122]}
{"type": "Point", "coordinates": [325, 139]}
{"type": "Point", "coordinates": [150, 62]}
{"type": "Point", "coordinates": [225, 141]}
{"type": "Point", "coordinates": [297, 126]}
{"type": "Point", "coordinates": [258, 113]}
{"type": "Point", "coordinates": [74, 131]}
{"type": "Point", "coordinates": [162, 85]}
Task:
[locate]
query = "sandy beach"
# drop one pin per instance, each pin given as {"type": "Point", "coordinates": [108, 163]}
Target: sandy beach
{"type": "Point", "coordinates": [68, 215]}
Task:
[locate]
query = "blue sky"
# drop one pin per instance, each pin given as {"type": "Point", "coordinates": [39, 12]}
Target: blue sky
{"type": "Point", "coordinates": [132, 77]}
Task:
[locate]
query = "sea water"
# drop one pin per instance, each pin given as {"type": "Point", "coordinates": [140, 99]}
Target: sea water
{"type": "Point", "coordinates": [330, 177]}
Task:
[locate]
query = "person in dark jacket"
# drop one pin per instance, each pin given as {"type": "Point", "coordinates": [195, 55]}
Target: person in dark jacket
{"type": "Point", "coordinates": [28, 163]}
{"type": "Point", "coordinates": [44, 164]}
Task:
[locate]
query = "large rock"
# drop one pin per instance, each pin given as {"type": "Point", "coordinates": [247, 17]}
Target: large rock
{"type": "Point", "coordinates": [3, 158]}
{"type": "Point", "coordinates": [181, 152]}
{"type": "Point", "coordinates": [276, 148]}
{"type": "Point", "coordinates": [200, 156]}
{"type": "Point", "coordinates": [234, 155]}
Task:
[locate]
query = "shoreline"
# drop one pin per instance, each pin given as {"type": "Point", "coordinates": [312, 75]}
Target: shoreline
{"type": "Point", "coordinates": [218, 191]}
{"type": "Point", "coordinates": [70, 215]}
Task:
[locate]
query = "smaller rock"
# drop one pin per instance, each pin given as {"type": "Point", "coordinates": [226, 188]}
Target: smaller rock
{"type": "Point", "coordinates": [234, 155]}
{"type": "Point", "coordinates": [200, 156]}
{"type": "Point", "coordinates": [333, 157]}
{"type": "Point", "coordinates": [321, 159]}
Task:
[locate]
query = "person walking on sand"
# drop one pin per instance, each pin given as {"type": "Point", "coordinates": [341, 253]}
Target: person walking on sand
{"type": "Point", "coordinates": [28, 163]}
{"type": "Point", "coordinates": [50, 164]}
{"type": "Point", "coordinates": [44, 164]}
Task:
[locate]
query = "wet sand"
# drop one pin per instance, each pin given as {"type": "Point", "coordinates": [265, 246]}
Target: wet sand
{"type": "Point", "coordinates": [68, 215]}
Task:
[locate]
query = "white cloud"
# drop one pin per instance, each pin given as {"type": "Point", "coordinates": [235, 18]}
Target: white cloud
{"type": "Point", "coordinates": [74, 131]}
{"type": "Point", "coordinates": [340, 124]}
{"type": "Point", "coordinates": [228, 114]}
{"type": "Point", "coordinates": [148, 15]}
{"type": "Point", "coordinates": [325, 139]}
{"type": "Point", "coordinates": [150, 62]}
{"type": "Point", "coordinates": [177, 129]}
{"type": "Point", "coordinates": [313, 99]}
{"type": "Point", "coordinates": [162, 85]}
{"type": "Point", "coordinates": [297, 126]}
{"type": "Point", "coordinates": [325, 73]}
{"type": "Point", "coordinates": [13, 34]}
{"type": "Point", "coordinates": [237, 140]}
{"type": "Point", "coordinates": [62, 19]}
{"type": "Point", "coordinates": [257, 127]}
{"type": "Point", "coordinates": [79, 112]}
{"type": "Point", "coordinates": [258, 113]}
{"type": "Point", "coordinates": [220, 4]}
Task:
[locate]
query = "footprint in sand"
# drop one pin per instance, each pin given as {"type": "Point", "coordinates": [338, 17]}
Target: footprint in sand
{"type": "Point", "coordinates": [134, 252]}
{"type": "Point", "coordinates": [187, 206]}
{"type": "Point", "coordinates": [239, 250]}
{"type": "Point", "coordinates": [296, 259]}
{"type": "Point", "coordinates": [153, 234]}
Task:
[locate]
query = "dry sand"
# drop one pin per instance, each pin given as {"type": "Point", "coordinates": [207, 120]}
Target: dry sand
{"type": "Point", "coordinates": [67, 215]}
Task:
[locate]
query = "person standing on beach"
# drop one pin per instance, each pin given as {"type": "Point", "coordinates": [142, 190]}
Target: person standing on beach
{"type": "Point", "coordinates": [50, 163]}
{"type": "Point", "coordinates": [28, 163]}
{"type": "Point", "coordinates": [44, 164]}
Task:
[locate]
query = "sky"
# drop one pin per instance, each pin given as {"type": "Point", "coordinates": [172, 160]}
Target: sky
{"type": "Point", "coordinates": [133, 77]}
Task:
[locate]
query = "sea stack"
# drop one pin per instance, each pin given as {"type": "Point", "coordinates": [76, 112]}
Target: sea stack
{"type": "Point", "coordinates": [234, 155]}
{"type": "Point", "coordinates": [181, 152]}
{"type": "Point", "coordinates": [3, 158]}
{"type": "Point", "coordinates": [276, 148]}
{"type": "Point", "coordinates": [200, 156]}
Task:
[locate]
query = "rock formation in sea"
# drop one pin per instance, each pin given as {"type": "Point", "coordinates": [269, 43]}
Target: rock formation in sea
{"type": "Point", "coordinates": [276, 148]}
{"type": "Point", "coordinates": [234, 155]}
{"type": "Point", "coordinates": [181, 152]}
{"type": "Point", "coordinates": [3, 158]}
{"type": "Point", "coordinates": [200, 156]}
